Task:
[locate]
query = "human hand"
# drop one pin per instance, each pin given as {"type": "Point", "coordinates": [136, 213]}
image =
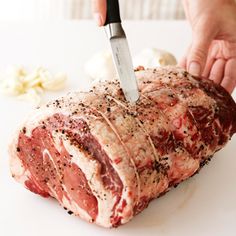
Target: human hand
{"type": "Point", "coordinates": [99, 11]}
{"type": "Point", "coordinates": [212, 52]}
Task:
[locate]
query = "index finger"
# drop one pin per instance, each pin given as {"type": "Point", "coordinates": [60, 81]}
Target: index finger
{"type": "Point", "coordinates": [229, 80]}
{"type": "Point", "coordinates": [99, 11]}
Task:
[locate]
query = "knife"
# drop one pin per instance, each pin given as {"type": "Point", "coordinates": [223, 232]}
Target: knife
{"type": "Point", "coordinates": [120, 51]}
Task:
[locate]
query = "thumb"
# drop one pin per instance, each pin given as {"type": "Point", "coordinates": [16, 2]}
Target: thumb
{"type": "Point", "coordinates": [99, 11]}
{"type": "Point", "coordinates": [197, 56]}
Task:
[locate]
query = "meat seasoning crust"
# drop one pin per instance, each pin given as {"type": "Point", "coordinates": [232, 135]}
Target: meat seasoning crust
{"type": "Point", "coordinates": [105, 160]}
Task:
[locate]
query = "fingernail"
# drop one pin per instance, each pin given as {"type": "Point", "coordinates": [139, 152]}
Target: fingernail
{"type": "Point", "coordinates": [194, 68]}
{"type": "Point", "coordinates": [98, 19]}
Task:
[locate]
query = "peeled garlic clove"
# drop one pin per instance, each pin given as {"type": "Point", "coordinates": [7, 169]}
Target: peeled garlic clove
{"type": "Point", "coordinates": [30, 77]}
{"type": "Point", "coordinates": [31, 96]}
{"type": "Point", "coordinates": [45, 75]}
{"type": "Point", "coordinates": [18, 72]}
{"type": "Point", "coordinates": [18, 82]}
{"type": "Point", "coordinates": [57, 83]}
{"type": "Point", "coordinates": [34, 82]}
{"type": "Point", "coordinates": [37, 77]}
{"type": "Point", "coordinates": [31, 86]}
{"type": "Point", "coordinates": [38, 89]}
{"type": "Point", "coordinates": [11, 87]}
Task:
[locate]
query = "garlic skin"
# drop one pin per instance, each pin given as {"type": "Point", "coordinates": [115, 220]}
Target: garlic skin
{"type": "Point", "coordinates": [153, 57]}
{"type": "Point", "coordinates": [100, 67]}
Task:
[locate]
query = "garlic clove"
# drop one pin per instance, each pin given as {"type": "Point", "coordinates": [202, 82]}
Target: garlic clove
{"type": "Point", "coordinates": [12, 87]}
{"type": "Point", "coordinates": [57, 83]}
{"type": "Point", "coordinates": [31, 96]}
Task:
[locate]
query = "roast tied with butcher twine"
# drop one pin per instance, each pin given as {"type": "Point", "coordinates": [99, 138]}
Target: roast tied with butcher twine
{"type": "Point", "coordinates": [104, 159]}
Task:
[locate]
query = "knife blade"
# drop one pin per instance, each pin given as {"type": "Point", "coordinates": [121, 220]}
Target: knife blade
{"type": "Point", "coordinates": [120, 52]}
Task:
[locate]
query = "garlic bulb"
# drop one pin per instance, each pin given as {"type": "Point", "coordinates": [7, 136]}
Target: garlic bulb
{"type": "Point", "coordinates": [100, 67]}
{"type": "Point", "coordinates": [153, 57]}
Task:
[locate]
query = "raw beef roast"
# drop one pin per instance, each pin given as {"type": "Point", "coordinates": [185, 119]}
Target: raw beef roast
{"type": "Point", "coordinates": [104, 159]}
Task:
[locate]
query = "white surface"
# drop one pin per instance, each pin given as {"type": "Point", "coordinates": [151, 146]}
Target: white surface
{"type": "Point", "coordinates": [204, 205]}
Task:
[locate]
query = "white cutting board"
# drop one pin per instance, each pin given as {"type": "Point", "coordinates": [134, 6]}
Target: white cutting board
{"type": "Point", "coordinates": [205, 205]}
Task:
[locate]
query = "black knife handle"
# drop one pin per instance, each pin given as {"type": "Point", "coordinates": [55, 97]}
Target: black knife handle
{"type": "Point", "coordinates": [113, 12]}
